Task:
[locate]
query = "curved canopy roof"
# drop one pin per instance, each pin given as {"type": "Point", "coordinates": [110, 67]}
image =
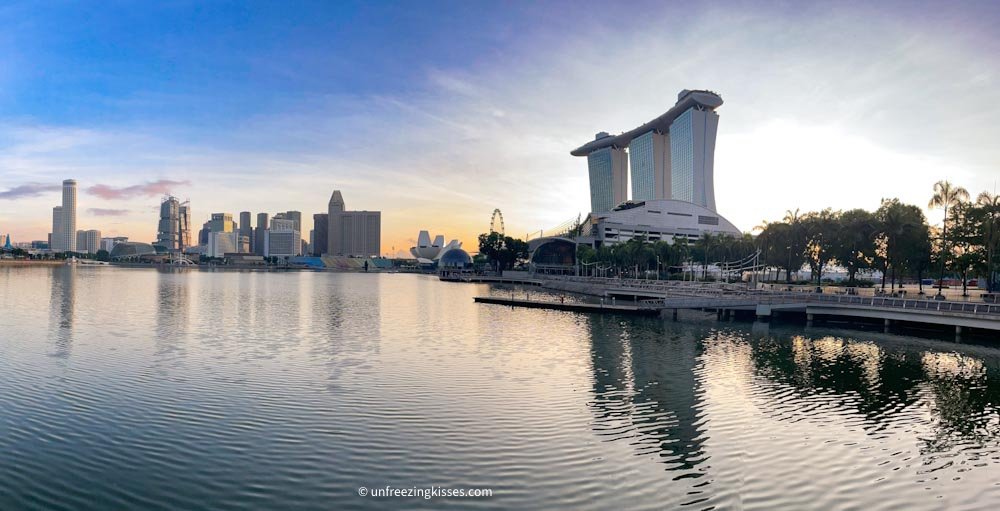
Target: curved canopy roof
{"type": "Point", "coordinates": [685, 100]}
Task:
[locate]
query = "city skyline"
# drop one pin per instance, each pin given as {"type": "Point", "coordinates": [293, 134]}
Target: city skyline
{"type": "Point", "coordinates": [436, 135]}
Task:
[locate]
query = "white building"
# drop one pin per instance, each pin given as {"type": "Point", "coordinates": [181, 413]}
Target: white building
{"type": "Point", "coordinates": [282, 240]}
{"type": "Point", "coordinates": [657, 220]}
{"type": "Point", "coordinates": [222, 243]}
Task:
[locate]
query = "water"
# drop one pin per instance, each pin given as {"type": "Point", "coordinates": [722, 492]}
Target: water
{"type": "Point", "coordinates": [133, 388]}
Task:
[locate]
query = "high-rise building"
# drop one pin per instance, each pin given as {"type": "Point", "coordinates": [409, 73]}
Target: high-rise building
{"type": "Point", "coordinates": [69, 214]}
{"type": "Point", "coordinates": [295, 216]}
{"type": "Point", "coordinates": [168, 229]}
{"type": "Point", "coordinates": [608, 174]}
{"type": "Point", "coordinates": [221, 243]}
{"type": "Point", "coordinates": [321, 227]}
{"type": "Point", "coordinates": [672, 156]}
{"type": "Point", "coordinates": [88, 242]}
{"type": "Point", "coordinates": [352, 233]}
{"type": "Point", "coordinates": [174, 229]}
{"type": "Point", "coordinates": [184, 228]}
{"type": "Point", "coordinates": [649, 162]}
{"type": "Point", "coordinates": [64, 220]}
{"type": "Point", "coordinates": [246, 230]}
{"type": "Point", "coordinates": [282, 240]}
{"type": "Point", "coordinates": [221, 222]}
{"type": "Point", "coordinates": [259, 243]}
{"type": "Point", "coordinates": [54, 236]}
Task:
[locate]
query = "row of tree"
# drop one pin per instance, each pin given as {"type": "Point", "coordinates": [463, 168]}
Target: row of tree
{"type": "Point", "coordinates": [637, 257]}
{"type": "Point", "coordinates": [895, 239]}
{"type": "Point", "coordinates": [502, 252]}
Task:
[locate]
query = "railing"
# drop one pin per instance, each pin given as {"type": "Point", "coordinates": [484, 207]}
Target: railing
{"type": "Point", "coordinates": [794, 297]}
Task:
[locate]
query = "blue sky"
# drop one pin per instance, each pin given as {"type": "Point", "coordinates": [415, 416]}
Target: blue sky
{"type": "Point", "coordinates": [437, 112]}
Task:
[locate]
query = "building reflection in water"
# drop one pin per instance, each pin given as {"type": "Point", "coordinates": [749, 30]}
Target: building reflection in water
{"type": "Point", "coordinates": [173, 309]}
{"type": "Point", "coordinates": [645, 390]}
{"type": "Point", "coordinates": [62, 308]}
{"type": "Point", "coordinates": [702, 399]}
{"type": "Point", "coordinates": [346, 314]}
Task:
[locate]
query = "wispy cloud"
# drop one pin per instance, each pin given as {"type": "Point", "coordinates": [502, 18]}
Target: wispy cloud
{"type": "Point", "coordinates": [28, 190]}
{"type": "Point", "coordinates": [148, 189]}
{"type": "Point", "coordinates": [107, 212]}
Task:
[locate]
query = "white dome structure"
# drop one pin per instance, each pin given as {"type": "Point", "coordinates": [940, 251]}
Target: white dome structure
{"type": "Point", "coordinates": [427, 251]}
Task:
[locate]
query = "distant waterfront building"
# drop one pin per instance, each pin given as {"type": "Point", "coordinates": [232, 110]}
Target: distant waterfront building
{"type": "Point", "coordinates": [109, 243]}
{"type": "Point", "coordinates": [295, 216]}
{"type": "Point", "coordinates": [54, 240]}
{"type": "Point", "coordinates": [321, 231]}
{"type": "Point", "coordinates": [672, 156]}
{"type": "Point", "coordinates": [246, 231]}
{"type": "Point", "coordinates": [68, 225]}
{"type": "Point", "coordinates": [428, 251]}
{"type": "Point", "coordinates": [88, 242]}
{"type": "Point", "coordinates": [221, 222]}
{"type": "Point", "coordinates": [352, 233]}
{"type": "Point", "coordinates": [282, 240]}
{"type": "Point", "coordinates": [259, 243]}
{"type": "Point", "coordinates": [63, 238]}
{"type": "Point", "coordinates": [222, 243]}
{"type": "Point", "coordinates": [184, 227]}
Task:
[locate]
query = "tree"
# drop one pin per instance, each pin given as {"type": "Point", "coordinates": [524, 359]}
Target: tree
{"type": "Point", "coordinates": [820, 231]}
{"type": "Point", "coordinates": [854, 242]}
{"type": "Point", "coordinates": [989, 212]}
{"type": "Point", "coordinates": [103, 255]}
{"type": "Point", "coordinates": [946, 195]}
{"type": "Point", "coordinates": [902, 237]}
{"type": "Point", "coordinates": [503, 252]}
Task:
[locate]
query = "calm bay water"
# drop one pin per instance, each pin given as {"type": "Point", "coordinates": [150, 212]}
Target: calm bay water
{"type": "Point", "coordinates": [133, 388]}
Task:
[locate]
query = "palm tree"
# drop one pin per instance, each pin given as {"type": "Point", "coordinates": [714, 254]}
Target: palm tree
{"type": "Point", "coordinates": [991, 203]}
{"type": "Point", "coordinates": [946, 195]}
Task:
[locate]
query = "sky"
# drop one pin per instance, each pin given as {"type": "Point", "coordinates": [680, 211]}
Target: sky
{"type": "Point", "coordinates": [435, 113]}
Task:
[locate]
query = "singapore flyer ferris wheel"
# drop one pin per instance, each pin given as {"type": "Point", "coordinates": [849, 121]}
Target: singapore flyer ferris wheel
{"type": "Point", "coordinates": [497, 221]}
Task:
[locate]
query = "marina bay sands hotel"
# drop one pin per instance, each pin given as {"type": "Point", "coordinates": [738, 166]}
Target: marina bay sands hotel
{"type": "Point", "coordinates": [670, 157]}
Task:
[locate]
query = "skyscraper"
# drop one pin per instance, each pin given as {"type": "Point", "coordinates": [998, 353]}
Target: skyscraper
{"type": "Point", "coordinates": [64, 234]}
{"type": "Point", "coordinates": [321, 228]}
{"type": "Point", "coordinates": [608, 174]}
{"type": "Point", "coordinates": [352, 233]}
{"type": "Point", "coordinates": [282, 240]}
{"type": "Point", "coordinates": [88, 242]}
{"type": "Point", "coordinates": [260, 244]}
{"type": "Point", "coordinates": [184, 229]}
{"type": "Point", "coordinates": [246, 229]}
{"type": "Point", "coordinates": [168, 229]}
{"type": "Point", "coordinates": [174, 229]}
{"type": "Point", "coordinates": [54, 236]}
{"type": "Point", "coordinates": [672, 156]}
{"type": "Point", "coordinates": [649, 161]}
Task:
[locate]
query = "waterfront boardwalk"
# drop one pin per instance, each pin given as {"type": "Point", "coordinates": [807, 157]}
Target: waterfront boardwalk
{"type": "Point", "coordinates": [725, 299]}
{"type": "Point", "coordinates": [640, 310]}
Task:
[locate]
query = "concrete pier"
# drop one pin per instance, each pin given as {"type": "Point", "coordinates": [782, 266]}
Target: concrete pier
{"type": "Point", "coordinates": [570, 306]}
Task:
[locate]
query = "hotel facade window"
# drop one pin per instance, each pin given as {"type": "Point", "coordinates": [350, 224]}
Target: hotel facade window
{"type": "Point", "coordinates": [641, 160]}
{"type": "Point", "coordinates": [601, 195]}
{"type": "Point", "coordinates": [608, 169]}
{"type": "Point", "coordinates": [682, 158]}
